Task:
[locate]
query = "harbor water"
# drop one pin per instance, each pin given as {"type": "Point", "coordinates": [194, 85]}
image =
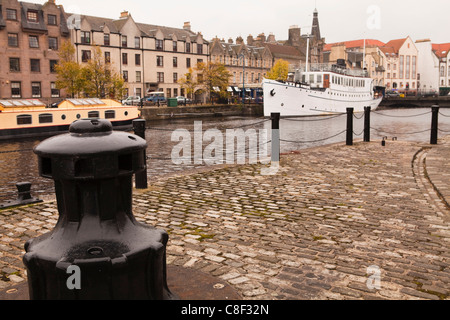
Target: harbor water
{"type": "Point", "coordinates": [18, 163]}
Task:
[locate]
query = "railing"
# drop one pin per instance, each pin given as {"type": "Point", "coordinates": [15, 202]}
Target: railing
{"type": "Point", "coordinates": [326, 67]}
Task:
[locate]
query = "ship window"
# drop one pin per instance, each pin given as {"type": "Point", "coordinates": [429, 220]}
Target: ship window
{"type": "Point", "coordinates": [24, 119]}
{"type": "Point", "coordinates": [93, 114]}
{"type": "Point", "coordinates": [46, 118]}
{"type": "Point", "coordinates": [311, 78]}
{"type": "Point", "coordinates": [319, 78]}
{"type": "Point", "coordinates": [110, 114]}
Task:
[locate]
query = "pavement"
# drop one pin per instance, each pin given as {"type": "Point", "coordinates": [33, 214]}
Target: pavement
{"type": "Point", "coordinates": [336, 222]}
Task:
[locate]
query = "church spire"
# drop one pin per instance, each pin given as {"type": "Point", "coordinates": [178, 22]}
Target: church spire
{"type": "Point", "coordinates": [315, 31]}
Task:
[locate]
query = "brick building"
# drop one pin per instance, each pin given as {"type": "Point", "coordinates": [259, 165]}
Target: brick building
{"type": "Point", "coordinates": [30, 35]}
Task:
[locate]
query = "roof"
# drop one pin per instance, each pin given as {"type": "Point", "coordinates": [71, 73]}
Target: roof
{"type": "Point", "coordinates": [355, 44]}
{"type": "Point", "coordinates": [441, 50]}
{"type": "Point", "coordinates": [394, 45]}
{"type": "Point", "coordinates": [282, 50]}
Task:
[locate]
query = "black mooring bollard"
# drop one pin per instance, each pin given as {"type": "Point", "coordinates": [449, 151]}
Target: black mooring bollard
{"type": "Point", "coordinates": [434, 124]}
{"type": "Point", "coordinates": [349, 140]}
{"type": "Point", "coordinates": [141, 176]}
{"type": "Point", "coordinates": [367, 124]}
{"type": "Point", "coordinates": [275, 137]}
{"type": "Point", "coordinates": [97, 250]}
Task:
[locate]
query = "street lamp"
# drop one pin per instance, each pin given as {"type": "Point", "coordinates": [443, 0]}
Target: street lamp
{"type": "Point", "coordinates": [243, 77]}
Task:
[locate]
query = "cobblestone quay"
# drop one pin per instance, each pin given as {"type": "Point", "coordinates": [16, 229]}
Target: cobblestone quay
{"type": "Point", "coordinates": [336, 222]}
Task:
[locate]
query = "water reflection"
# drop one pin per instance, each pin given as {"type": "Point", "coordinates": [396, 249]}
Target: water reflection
{"type": "Point", "coordinates": [18, 163]}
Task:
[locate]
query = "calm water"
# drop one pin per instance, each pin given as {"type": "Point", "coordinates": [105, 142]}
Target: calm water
{"type": "Point", "coordinates": [18, 163]}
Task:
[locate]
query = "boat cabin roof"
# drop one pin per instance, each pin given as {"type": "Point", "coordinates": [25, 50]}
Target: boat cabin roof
{"type": "Point", "coordinates": [24, 103]}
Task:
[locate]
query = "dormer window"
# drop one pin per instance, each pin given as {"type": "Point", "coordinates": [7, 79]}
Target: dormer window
{"type": "Point", "coordinates": [32, 16]}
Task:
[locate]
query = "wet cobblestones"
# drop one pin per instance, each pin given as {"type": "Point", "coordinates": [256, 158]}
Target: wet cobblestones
{"type": "Point", "coordinates": [309, 232]}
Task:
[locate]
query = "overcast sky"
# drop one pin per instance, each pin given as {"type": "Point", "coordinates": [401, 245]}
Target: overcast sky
{"type": "Point", "coordinates": [340, 20]}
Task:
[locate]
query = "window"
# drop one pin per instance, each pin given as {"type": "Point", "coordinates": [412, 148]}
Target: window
{"type": "Point", "coordinates": [93, 114]}
{"type": "Point", "coordinates": [137, 42]}
{"type": "Point", "coordinates": [175, 77]}
{"type": "Point", "coordinates": [442, 71]}
{"type": "Point", "coordinates": [107, 57]}
{"type": "Point", "coordinates": [33, 41]}
{"type": "Point", "coordinates": [54, 90]}
{"type": "Point", "coordinates": [53, 64]}
{"type": "Point", "coordinates": [85, 37]}
{"type": "Point", "coordinates": [85, 55]}
{"type": "Point", "coordinates": [110, 114]}
{"type": "Point", "coordinates": [11, 14]}
{"type": "Point", "coordinates": [138, 76]}
{"type": "Point", "coordinates": [175, 46]}
{"type": "Point", "coordinates": [199, 48]}
{"type": "Point", "coordinates": [401, 66]}
{"type": "Point", "coordinates": [36, 89]}
{"type": "Point", "coordinates": [159, 44]}
{"type": "Point", "coordinates": [13, 39]}
{"type": "Point", "coordinates": [188, 47]}
{"type": "Point", "coordinates": [32, 16]}
{"type": "Point", "coordinates": [160, 77]}
{"type": "Point", "coordinates": [188, 62]}
{"type": "Point", "coordinates": [106, 39]}
{"type": "Point", "coordinates": [51, 20]}
{"type": "Point", "coordinates": [124, 41]}
{"type": "Point", "coordinates": [125, 76]}
{"type": "Point", "coordinates": [24, 119]}
{"type": "Point", "coordinates": [125, 58]}
{"type": "Point", "coordinates": [137, 59]}
{"type": "Point", "coordinates": [14, 64]}
{"type": "Point", "coordinates": [175, 62]}
{"type": "Point", "coordinates": [408, 67]}
{"type": "Point", "coordinates": [53, 43]}
{"type": "Point", "coordinates": [139, 92]}
{"type": "Point", "coordinates": [159, 61]}
{"type": "Point", "coordinates": [16, 91]}
{"type": "Point", "coordinates": [414, 62]}
{"type": "Point", "coordinates": [169, 93]}
{"type": "Point", "coordinates": [45, 118]}
{"type": "Point", "coordinates": [35, 65]}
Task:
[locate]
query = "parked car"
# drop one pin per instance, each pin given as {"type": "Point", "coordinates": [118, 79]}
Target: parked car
{"type": "Point", "coordinates": [429, 93]}
{"type": "Point", "coordinates": [183, 100]}
{"type": "Point", "coordinates": [132, 100]}
{"type": "Point", "coordinates": [156, 97]}
{"type": "Point", "coordinates": [393, 94]}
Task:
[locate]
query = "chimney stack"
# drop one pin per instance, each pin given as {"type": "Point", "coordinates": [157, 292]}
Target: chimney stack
{"type": "Point", "coordinates": [294, 36]}
{"type": "Point", "coordinates": [124, 14]}
{"type": "Point", "coordinates": [187, 26]}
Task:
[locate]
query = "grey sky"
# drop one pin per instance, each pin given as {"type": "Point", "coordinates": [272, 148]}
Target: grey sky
{"type": "Point", "coordinates": [340, 20]}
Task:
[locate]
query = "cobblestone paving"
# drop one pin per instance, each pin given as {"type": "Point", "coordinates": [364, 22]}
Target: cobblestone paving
{"type": "Point", "coordinates": [331, 221]}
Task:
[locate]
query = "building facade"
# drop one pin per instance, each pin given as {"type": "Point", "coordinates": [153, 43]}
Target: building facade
{"type": "Point", "coordinates": [442, 53]}
{"type": "Point", "coordinates": [428, 71]}
{"type": "Point", "coordinates": [149, 57]}
{"type": "Point", "coordinates": [30, 35]}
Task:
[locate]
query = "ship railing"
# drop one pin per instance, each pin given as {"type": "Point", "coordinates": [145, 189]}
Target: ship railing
{"type": "Point", "coordinates": [327, 67]}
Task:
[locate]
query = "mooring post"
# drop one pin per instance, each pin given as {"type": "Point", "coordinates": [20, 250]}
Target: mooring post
{"type": "Point", "coordinates": [141, 176]}
{"type": "Point", "coordinates": [275, 137]}
{"type": "Point", "coordinates": [434, 124]}
{"type": "Point", "coordinates": [349, 140]}
{"type": "Point", "coordinates": [367, 124]}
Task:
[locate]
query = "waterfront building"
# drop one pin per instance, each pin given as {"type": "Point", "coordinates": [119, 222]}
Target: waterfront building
{"type": "Point", "coordinates": [401, 65]}
{"type": "Point", "coordinates": [428, 66]}
{"type": "Point", "coordinates": [442, 53]}
{"type": "Point", "coordinates": [150, 57]}
{"type": "Point", "coordinates": [247, 64]}
{"type": "Point", "coordinates": [30, 35]}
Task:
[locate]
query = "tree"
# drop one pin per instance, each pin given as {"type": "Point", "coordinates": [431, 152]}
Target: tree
{"type": "Point", "coordinates": [215, 78]}
{"type": "Point", "coordinates": [189, 83]}
{"type": "Point", "coordinates": [279, 71]}
{"type": "Point", "coordinates": [69, 72]}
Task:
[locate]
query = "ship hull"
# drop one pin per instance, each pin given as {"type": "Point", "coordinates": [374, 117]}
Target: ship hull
{"type": "Point", "coordinates": [292, 100]}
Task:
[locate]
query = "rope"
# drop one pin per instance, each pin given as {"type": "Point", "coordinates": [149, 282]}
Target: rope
{"type": "Point", "coordinates": [305, 120]}
{"type": "Point", "coordinates": [204, 130]}
{"type": "Point", "coordinates": [445, 115]}
{"type": "Point", "coordinates": [312, 141]}
{"type": "Point", "coordinates": [359, 133]}
{"type": "Point", "coordinates": [387, 115]}
{"type": "Point", "coordinates": [402, 133]}
{"type": "Point", "coordinates": [362, 116]}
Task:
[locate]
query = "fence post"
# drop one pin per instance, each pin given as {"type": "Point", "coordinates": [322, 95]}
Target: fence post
{"type": "Point", "coordinates": [434, 124]}
{"type": "Point", "coordinates": [367, 124]}
{"type": "Point", "coordinates": [275, 137]}
{"type": "Point", "coordinates": [141, 176]}
{"type": "Point", "coordinates": [349, 140]}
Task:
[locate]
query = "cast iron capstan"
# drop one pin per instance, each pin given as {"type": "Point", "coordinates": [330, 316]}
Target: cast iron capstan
{"type": "Point", "coordinates": [118, 257]}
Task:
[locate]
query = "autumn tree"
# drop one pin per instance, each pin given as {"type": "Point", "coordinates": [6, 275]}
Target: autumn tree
{"type": "Point", "coordinates": [214, 78]}
{"type": "Point", "coordinates": [189, 83]}
{"type": "Point", "coordinates": [279, 71]}
{"type": "Point", "coordinates": [69, 72]}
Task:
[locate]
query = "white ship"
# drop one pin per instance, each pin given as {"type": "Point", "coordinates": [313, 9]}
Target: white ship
{"type": "Point", "coordinates": [321, 90]}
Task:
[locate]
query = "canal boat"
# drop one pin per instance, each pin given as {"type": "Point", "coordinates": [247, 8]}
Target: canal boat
{"type": "Point", "coordinates": [322, 89]}
{"type": "Point", "coordinates": [32, 118]}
